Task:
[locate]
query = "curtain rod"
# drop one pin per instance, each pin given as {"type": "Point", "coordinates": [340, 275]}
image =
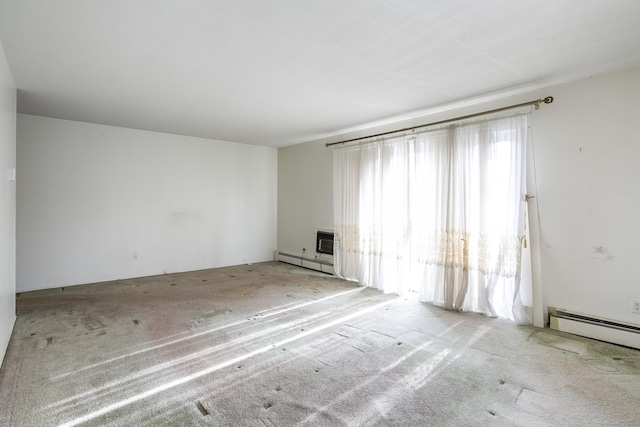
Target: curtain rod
{"type": "Point", "coordinates": [537, 102]}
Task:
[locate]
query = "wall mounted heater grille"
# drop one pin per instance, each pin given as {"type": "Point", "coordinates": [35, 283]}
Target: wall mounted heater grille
{"type": "Point", "coordinates": [593, 327]}
{"type": "Point", "coordinates": [324, 242]}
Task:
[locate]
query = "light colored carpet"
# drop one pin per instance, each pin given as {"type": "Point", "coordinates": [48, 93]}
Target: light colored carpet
{"type": "Point", "coordinates": [275, 345]}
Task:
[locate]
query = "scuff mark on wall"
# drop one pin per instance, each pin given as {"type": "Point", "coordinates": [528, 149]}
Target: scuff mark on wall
{"type": "Point", "coordinates": [603, 254]}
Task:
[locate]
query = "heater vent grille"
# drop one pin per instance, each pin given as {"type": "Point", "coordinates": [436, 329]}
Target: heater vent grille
{"type": "Point", "coordinates": [324, 242]}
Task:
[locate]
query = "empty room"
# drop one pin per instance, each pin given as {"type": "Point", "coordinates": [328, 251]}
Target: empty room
{"type": "Point", "coordinates": [319, 213]}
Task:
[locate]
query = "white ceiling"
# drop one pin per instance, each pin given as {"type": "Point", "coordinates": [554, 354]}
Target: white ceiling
{"type": "Point", "coordinates": [281, 72]}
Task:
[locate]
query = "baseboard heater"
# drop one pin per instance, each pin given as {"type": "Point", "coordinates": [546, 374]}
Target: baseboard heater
{"type": "Point", "coordinates": [312, 264]}
{"type": "Point", "coordinates": [593, 327]}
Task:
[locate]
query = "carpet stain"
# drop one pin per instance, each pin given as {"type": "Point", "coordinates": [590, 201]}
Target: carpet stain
{"type": "Point", "coordinates": [202, 409]}
{"type": "Point", "coordinates": [92, 325]}
{"type": "Point", "coordinates": [215, 313]}
{"type": "Point", "coordinates": [558, 342]}
{"type": "Point", "coordinates": [49, 340]}
{"type": "Point", "coordinates": [603, 364]}
{"type": "Point", "coordinates": [623, 365]}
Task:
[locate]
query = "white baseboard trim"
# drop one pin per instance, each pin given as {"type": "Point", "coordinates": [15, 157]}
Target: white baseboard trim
{"type": "Point", "coordinates": [320, 265]}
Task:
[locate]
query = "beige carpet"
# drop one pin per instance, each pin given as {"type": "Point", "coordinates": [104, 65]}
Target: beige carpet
{"type": "Point", "coordinates": [275, 345]}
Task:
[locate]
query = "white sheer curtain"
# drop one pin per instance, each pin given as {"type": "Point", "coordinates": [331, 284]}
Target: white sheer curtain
{"type": "Point", "coordinates": [371, 200]}
{"type": "Point", "coordinates": [440, 213]}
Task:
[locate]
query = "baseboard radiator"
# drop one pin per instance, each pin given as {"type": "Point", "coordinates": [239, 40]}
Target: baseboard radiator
{"type": "Point", "coordinates": [317, 264]}
{"type": "Point", "coordinates": [594, 327]}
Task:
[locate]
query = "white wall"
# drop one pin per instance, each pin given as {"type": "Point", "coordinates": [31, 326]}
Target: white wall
{"type": "Point", "coordinates": [7, 204]}
{"type": "Point", "coordinates": [305, 196]}
{"type": "Point", "coordinates": [587, 148]}
{"type": "Point", "coordinates": [89, 195]}
{"type": "Point", "coordinates": [304, 204]}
